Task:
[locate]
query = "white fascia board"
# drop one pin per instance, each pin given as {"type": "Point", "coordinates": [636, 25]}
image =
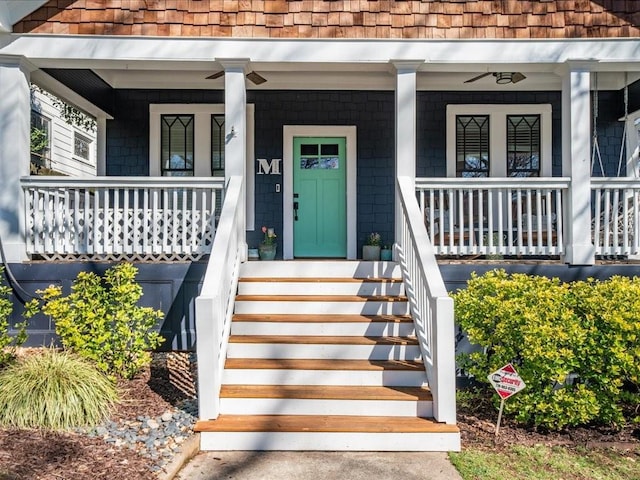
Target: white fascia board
{"type": "Point", "coordinates": [52, 85]}
{"type": "Point", "coordinates": [64, 51]}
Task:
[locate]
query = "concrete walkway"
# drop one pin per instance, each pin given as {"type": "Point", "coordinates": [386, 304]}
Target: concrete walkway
{"type": "Point", "coordinates": [319, 466]}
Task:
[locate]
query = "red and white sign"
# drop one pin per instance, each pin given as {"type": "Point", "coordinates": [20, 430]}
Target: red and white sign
{"type": "Point", "coordinates": [506, 381]}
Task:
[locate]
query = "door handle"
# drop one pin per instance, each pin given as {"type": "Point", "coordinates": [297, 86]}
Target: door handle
{"type": "Point", "coordinates": [295, 207]}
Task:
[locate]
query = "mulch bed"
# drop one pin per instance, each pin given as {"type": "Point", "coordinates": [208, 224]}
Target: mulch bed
{"type": "Point", "coordinates": [478, 425]}
{"type": "Point", "coordinates": [40, 455]}
{"type": "Point", "coordinates": [35, 455]}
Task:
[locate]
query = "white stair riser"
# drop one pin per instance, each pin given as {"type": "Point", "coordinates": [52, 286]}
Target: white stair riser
{"type": "Point", "coordinates": [319, 288]}
{"type": "Point", "coordinates": [297, 406]}
{"type": "Point", "coordinates": [336, 308]}
{"type": "Point", "coordinates": [374, 329]}
{"type": "Point", "coordinates": [324, 351]}
{"type": "Point", "coordinates": [321, 441]}
{"type": "Point", "coordinates": [321, 269]}
{"type": "Point", "coordinates": [387, 378]}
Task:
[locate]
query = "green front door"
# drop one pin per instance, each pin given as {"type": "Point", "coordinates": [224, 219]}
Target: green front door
{"type": "Point", "coordinates": [320, 197]}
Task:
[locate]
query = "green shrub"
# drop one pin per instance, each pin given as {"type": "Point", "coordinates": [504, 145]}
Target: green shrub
{"type": "Point", "coordinates": [54, 390]}
{"type": "Point", "coordinates": [101, 321]}
{"type": "Point", "coordinates": [7, 342]}
{"type": "Point", "coordinates": [574, 345]}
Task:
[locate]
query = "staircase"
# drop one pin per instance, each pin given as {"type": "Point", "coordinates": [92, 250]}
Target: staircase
{"type": "Point", "coordinates": [322, 357]}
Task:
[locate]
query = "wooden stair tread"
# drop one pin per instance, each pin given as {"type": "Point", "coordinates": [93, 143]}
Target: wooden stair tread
{"type": "Point", "coordinates": [319, 318]}
{"type": "Point", "coordinates": [321, 298]}
{"type": "Point", "coordinates": [322, 340]}
{"type": "Point", "coordinates": [319, 280]}
{"type": "Point", "coordinates": [326, 392]}
{"type": "Point", "coordinates": [323, 423]}
{"type": "Point", "coordinates": [321, 364]}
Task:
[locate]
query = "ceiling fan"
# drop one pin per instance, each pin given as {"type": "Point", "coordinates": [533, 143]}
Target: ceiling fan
{"type": "Point", "coordinates": [502, 78]}
{"type": "Point", "coordinates": [254, 77]}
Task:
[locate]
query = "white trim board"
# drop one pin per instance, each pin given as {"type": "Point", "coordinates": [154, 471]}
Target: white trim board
{"type": "Point", "coordinates": [291, 131]}
{"type": "Point", "coordinates": [66, 51]}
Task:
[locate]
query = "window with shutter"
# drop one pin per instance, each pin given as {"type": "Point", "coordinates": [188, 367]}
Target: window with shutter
{"type": "Point", "coordinates": [523, 145]}
{"type": "Point", "coordinates": [472, 146]}
{"type": "Point", "coordinates": [176, 137]}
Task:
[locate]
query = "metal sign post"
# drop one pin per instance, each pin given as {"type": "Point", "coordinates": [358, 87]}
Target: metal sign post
{"type": "Point", "coordinates": [506, 382]}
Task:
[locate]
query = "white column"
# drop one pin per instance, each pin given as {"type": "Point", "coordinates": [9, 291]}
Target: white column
{"type": "Point", "coordinates": [235, 129]}
{"type": "Point", "coordinates": [405, 128]}
{"type": "Point", "coordinates": [15, 124]}
{"type": "Point", "coordinates": [576, 162]}
{"type": "Point", "coordinates": [101, 146]}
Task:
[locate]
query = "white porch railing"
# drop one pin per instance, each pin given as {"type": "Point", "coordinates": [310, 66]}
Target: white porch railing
{"type": "Point", "coordinates": [616, 215]}
{"type": "Point", "coordinates": [214, 306]}
{"type": "Point", "coordinates": [494, 216]}
{"type": "Point", "coordinates": [431, 306]}
{"type": "Point", "coordinates": [112, 218]}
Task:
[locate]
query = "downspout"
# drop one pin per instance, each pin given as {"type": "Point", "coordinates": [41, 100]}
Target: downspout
{"type": "Point", "coordinates": [20, 293]}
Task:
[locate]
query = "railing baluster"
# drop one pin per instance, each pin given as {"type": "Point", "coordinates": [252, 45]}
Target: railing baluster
{"type": "Point", "coordinates": [615, 221]}
{"type": "Point", "coordinates": [636, 224]}
{"type": "Point", "coordinates": [137, 221]}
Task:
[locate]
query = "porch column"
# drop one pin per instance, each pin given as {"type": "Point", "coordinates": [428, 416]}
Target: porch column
{"type": "Point", "coordinates": [15, 124]}
{"type": "Point", "coordinates": [101, 146]}
{"type": "Point", "coordinates": [576, 162]}
{"type": "Point", "coordinates": [235, 130]}
{"type": "Point", "coordinates": [405, 129]}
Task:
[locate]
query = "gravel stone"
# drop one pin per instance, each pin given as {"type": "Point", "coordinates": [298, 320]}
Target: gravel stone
{"type": "Point", "coordinates": [167, 417]}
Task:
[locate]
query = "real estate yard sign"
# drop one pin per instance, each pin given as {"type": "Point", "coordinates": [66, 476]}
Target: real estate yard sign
{"type": "Point", "coordinates": [507, 382]}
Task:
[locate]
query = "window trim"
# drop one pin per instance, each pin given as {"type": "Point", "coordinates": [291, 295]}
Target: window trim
{"type": "Point", "coordinates": [498, 134]}
{"type": "Point", "coordinates": [91, 146]}
{"type": "Point", "coordinates": [49, 127]}
{"type": "Point", "coordinates": [202, 143]}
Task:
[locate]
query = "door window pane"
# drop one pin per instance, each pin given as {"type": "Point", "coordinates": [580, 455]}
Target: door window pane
{"type": "Point", "coordinates": [177, 145]}
{"type": "Point", "coordinates": [523, 145]}
{"type": "Point", "coordinates": [319, 157]}
{"type": "Point", "coordinates": [472, 145]}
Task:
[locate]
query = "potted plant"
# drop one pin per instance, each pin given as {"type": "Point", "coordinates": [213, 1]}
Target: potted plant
{"type": "Point", "coordinates": [386, 254]}
{"type": "Point", "coordinates": [371, 248]}
{"type": "Point", "coordinates": [267, 247]}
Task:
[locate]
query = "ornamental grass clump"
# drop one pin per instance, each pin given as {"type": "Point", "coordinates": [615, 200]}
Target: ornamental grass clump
{"type": "Point", "coordinates": [54, 391]}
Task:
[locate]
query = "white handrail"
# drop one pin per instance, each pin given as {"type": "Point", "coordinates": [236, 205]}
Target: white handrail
{"type": "Point", "coordinates": [431, 306]}
{"type": "Point", "coordinates": [112, 218]}
{"type": "Point", "coordinates": [214, 306]}
{"type": "Point", "coordinates": [494, 216]}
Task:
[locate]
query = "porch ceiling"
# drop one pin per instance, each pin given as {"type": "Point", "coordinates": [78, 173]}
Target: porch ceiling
{"type": "Point", "coordinates": [327, 76]}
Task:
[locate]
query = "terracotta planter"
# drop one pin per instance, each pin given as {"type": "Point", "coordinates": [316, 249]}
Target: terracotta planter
{"type": "Point", "coordinates": [371, 252]}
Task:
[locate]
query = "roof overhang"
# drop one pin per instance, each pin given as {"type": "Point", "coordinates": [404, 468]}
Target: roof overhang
{"type": "Point", "coordinates": [185, 62]}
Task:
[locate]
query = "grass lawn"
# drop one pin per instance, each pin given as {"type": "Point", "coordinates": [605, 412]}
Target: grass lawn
{"type": "Point", "coordinates": [541, 463]}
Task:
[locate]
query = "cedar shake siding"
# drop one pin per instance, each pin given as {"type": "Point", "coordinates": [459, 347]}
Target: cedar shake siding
{"type": "Point", "coordinates": [426, 19]}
